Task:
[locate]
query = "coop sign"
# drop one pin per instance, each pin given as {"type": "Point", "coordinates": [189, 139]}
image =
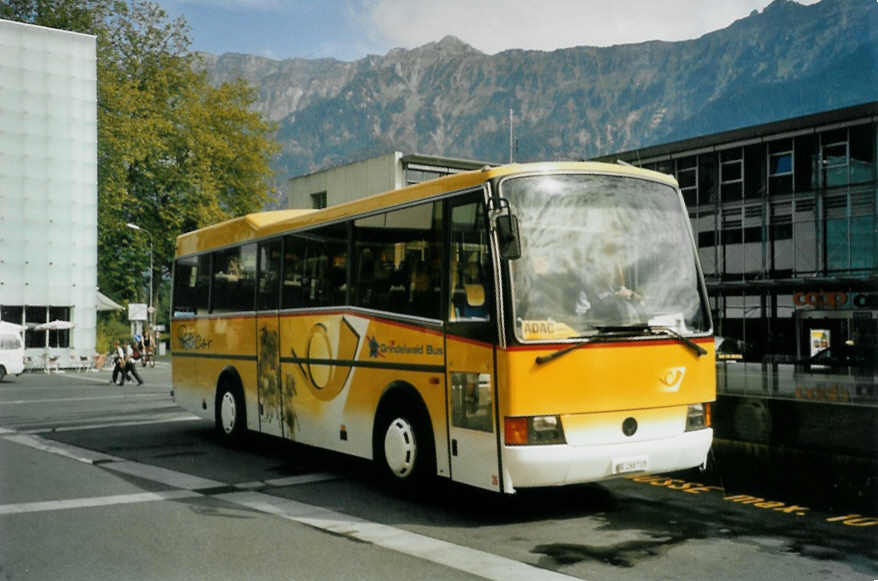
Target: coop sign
{"type": "Point", "coordinates": [836, 300]}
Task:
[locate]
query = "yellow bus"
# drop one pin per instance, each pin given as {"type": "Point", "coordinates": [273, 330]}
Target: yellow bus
{"type": "Point", "coordinates": [517, 326]}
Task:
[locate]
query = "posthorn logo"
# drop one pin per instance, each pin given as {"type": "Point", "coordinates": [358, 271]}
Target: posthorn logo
{"type": "Point", "coordinates": [672, 379]}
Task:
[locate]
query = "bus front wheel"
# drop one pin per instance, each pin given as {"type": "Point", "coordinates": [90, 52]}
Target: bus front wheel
{"type": "Point", "coordinates": [403, 450]}
{"type": "Point", "coordinates": [230, 414]}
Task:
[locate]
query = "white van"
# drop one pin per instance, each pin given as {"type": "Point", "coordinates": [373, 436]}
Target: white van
{"type": "Point", "coordinates": [11, 350]}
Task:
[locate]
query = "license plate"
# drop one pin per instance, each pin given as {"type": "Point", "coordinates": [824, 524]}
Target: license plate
{"type": "Point", "coordinates": [623, 465]}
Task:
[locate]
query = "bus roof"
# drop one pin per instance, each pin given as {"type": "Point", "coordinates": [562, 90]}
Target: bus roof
{"type": "Point", "coordinates": [264, 224]}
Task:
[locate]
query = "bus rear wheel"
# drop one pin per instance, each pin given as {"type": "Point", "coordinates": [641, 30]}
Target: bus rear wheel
{"type": "Point", "coordinates": [403, 450]}
{"type": "Point", "coordinates": [230, 414]}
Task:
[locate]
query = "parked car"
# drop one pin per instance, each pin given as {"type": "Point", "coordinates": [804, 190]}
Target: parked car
{"type": "Point", "coordinates": [11, 350]}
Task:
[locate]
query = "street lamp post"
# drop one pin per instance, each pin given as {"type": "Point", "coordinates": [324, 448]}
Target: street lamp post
{"type": "Point", "coordinates": [149, 310]}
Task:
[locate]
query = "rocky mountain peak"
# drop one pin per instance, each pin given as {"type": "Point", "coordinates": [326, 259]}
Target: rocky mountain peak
{"type": "Point", "coordinates": [448, 98]}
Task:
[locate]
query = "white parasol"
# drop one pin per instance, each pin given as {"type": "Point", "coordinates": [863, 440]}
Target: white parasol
{"type": "Point", "coordinates": [54, 326]}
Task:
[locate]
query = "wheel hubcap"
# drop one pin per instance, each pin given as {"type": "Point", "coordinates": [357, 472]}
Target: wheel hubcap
{"type": "Point", "coordinates": [400, 447]}
{"type": "Point", "coordinates": [228, 411]}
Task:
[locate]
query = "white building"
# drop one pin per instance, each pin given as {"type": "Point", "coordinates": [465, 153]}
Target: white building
{"type": "Point", "coordinates": [371, 176]}
{"type": "Point", "coordinates": [48, 188]}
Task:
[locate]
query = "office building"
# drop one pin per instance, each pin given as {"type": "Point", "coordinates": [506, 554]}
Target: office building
{"type": "Point", "coordinates": [784, 215]}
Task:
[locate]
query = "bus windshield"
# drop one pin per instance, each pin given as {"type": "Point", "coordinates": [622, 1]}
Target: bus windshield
{"type": "Point", "coordinates": [601, 252]}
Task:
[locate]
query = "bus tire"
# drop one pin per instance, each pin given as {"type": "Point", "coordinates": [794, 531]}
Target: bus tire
{"type": "Point", "coordinates": [230, 412]}
{"type": "Point", "coordinates": [2, 373]}
{"type": "Point", "coordinates": [403, 448]}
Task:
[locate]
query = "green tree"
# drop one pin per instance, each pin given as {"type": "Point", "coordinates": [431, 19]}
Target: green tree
{"type": "Point", "coordinates": [174, 152]}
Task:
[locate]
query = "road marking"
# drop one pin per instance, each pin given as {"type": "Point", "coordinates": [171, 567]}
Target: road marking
{"type": "Point", "coordinates": [301, 479]}
{"type": "Point", "coordinates": [96, 501]}
{"type": "Point", "coordinates": [87, 398]}
{"type": "Point", "coordinates": [476, 562]}
{"type": "Point", "coordinates": [473, 561]}
{"type": "Point", "coordinates": [89, 379]}
{"type": "Point", "coordinates": [288, 481]}
{"type": "Point", "coordinates": [163, 475]}
{"type": "Point", "coordinates": [60, 449]}
{"type": "Point", "coordinates": [76, 428]}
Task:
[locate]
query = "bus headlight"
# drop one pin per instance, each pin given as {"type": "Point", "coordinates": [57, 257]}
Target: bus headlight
{"type": "Point", "coordinates": [534, 430]}
{"type": "Point", "coordinates": [698, 417]}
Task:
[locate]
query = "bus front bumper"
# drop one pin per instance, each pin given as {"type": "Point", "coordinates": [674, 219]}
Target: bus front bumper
{"type": "Point", "coordinates": [556, 465]}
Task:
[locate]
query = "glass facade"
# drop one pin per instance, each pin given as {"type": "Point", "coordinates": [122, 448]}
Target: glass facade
{"type": "Point", "coordinates": [786, 230]}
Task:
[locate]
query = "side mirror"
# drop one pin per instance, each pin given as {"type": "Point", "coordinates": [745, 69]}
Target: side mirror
{"type": "Point", "coordinates": [507, 236]}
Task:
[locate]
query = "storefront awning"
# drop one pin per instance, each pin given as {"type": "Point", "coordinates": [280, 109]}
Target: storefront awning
{"type": "Point", "coordinates": [105, 303]}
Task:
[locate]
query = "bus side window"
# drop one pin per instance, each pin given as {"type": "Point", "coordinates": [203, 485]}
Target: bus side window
{"type": "Point", "coordinates": [267, 287]}
{"type": "Point", "coordinates": [185, 276]}
{"type": "Point", "coordinates": [398, 256]}
{"type": "Point", "coordinates": [325, 283]}
{"type": "Point", "coordinates": [471, 283]}
{"type": "Point", "coordinates": [192, 285]}
{"type": "Point", "coordinates": [234, 279]}
{"type": "Point", "coordinates": [292, 291]}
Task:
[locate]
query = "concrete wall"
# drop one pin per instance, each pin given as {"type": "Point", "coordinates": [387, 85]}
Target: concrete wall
{"type": "Point", "coordinates": [48, 176]}
{"type": "Point", "coordinates": [349, 182]}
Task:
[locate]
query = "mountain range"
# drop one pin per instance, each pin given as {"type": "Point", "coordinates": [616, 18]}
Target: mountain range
{"type": "Point", "coordinates": [447, 98]}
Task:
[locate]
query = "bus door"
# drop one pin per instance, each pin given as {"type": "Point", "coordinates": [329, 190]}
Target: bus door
{"type": "Point", "coordinates": [470, 342]}
{"type": "Point", "coordinates": [268, 376]}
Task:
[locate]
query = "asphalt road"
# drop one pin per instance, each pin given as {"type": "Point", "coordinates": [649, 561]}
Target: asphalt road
{"type": "Point", "coordinates": [101, 482]}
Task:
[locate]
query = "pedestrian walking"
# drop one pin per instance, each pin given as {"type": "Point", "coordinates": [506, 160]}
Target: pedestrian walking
{"type": "Point", "coordinates": [130, 365]}
{"type": "Point", "coordinates": [118, 363]}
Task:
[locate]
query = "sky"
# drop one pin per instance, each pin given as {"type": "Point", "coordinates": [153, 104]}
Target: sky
{"type": "Point", "coordinates": [349, 30]}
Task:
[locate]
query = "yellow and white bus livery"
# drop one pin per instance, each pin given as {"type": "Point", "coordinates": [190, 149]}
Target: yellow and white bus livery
{"type": "Point", "coordinates": [519, 326]}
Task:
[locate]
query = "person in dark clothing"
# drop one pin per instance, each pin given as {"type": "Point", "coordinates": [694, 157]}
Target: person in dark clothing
{"type": "Point", "coordinates": [118, 363]}
{"type": "Point", "coordinates": [604, 296]}
{"type": "Point", "coordinates": [129, 366]}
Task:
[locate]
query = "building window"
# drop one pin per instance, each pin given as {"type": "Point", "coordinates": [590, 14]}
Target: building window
{"type": "Point", "coordinates": [35, 316]}
{"type": "Point", "coordinates": [732, 243]}
{"type": "Point", "coordinates": [59, 337]}
{"type": "Point", "coordinates": [12, 314]}
{"type": "Point", "coordinates": [754, 171]}
{"type": "Point", "coordinates": [731, 172]}
{"type": "Point", "coordinates": [862, 141]}
{"type": "Point", "coordinates": [781, 235]}
{"type": "Point", "coordinates": [753, 238]}
{"type": "Point", "coordinates": [864, 246]}
{"type": "Point", "coordinates": [687, 177]}
{"type": "Point", "coordinates": [705, 228]}
{"type": "Point", "coordinates": [416, 173]}
{"type": "Point", "coordinates": [780, 167]}
{"type": "Point", "coordinates": [806, 167]}
{"type": "Point", "coordinates": [834, 157]}
{"type": "Point", "coordinates": [318, 200]}
{"type": "Point", "coordinates": [805, 236]}
{"type": "Point", "coordinates": [707, 178]}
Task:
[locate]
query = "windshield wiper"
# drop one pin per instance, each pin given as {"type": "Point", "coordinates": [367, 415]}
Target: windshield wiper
{"type": "Point", "coordinates": [563, 351]}
{"type": "Point", "coordinates": [660, 329]}
{"type": "Point", "coordinates": [606, 333]}
{"type": "Point", "coordinates": [699, 350]}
